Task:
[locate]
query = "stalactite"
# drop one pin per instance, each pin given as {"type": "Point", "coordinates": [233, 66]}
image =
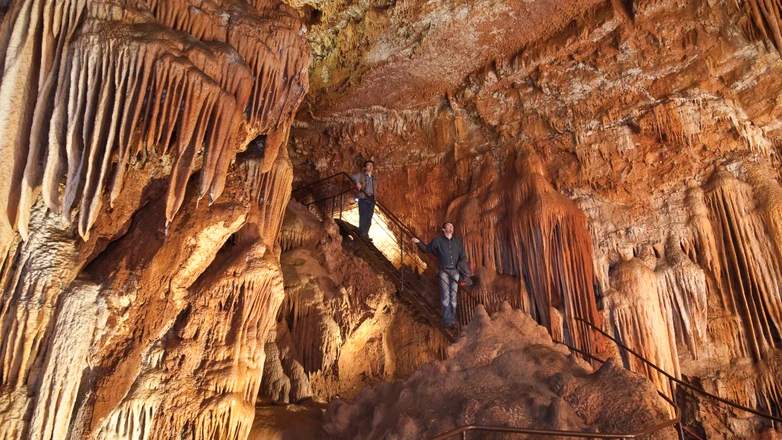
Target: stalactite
{"type": "Point", "coordinates": [636, 313]}
{"type": "Point", "coordinates": [701, 243]}
{"type": "Point", "coordinates": [750, 272]}
{"type": "Point", "coordinates": [134, 419]}
{"type": "Point", "coordinates": [300, 228]}
{"type": "Point", "coordinates": [33, 286]}
{"type": "Point", "coordinates": [701, 246]}
{"type": "Point", "coordinates": [677, 120]}
{"type": "Point", "coordinates": [98, 92]}
{"type": "Point", "coordinates": [280, 77]}
{"type": "Point", "coordinates": [492, 291]}
{"type": "Point", "coordinates": [63, 366]}
{"type": "Point", "coordinates": [683, 296]}
{"type": "Point", "coordinates": [768, 195]}
{"type": "Point", "coordinates": [767, 16]}
{"type": "Point", "coordinates": [271, 190]}
{"type": "Point", "coordinates": [518, 224]}
{"type": "Point", "coordinates": [313, 331]}
{"type": "Point", "coordinates": [111, 93]}
{"type": "Point", "coordinates": [217, 347]}
{"type": "Point", "coordinates": [248, 300]}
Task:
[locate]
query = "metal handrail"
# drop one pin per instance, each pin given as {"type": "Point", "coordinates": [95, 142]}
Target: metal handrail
{"type": "Point", "coordinates": [385, 209]}
{"type": "Point", "coordinates": [319, 181]}
{"type": "Point", "coordinates": [679, 382]}
{"type": "Point", "coordinates": [387, 212]}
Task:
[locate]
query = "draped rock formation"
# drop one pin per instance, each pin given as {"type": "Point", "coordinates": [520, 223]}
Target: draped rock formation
{"type": "Point", "coordinates": [131, 310]}
{"type": "Point", "coordinates": [612, 161]}
{"type": "Point", "coordinates": [97, 87]}
{"type": "Point", "coordinates": [517, 224]}
{"type": "Point", "coordinates": [636, 312]}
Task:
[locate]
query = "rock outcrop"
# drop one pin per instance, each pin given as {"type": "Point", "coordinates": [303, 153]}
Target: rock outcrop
{"type": "Point", "coordinates": [656, 130]}
{"type": "Point", "coordinates": [504, 370]}
{"type": "Point", "coordinates": [611, 161]}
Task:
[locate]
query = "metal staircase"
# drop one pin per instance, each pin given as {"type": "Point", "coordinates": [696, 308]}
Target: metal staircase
{"type": "Point", "coordinates": [392, 251]}
{"type": "Point", "coordinates": [411, 289]}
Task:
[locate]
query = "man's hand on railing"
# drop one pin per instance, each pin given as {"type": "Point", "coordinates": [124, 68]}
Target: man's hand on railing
{"type": "Point", "coordinates": [416, 241]}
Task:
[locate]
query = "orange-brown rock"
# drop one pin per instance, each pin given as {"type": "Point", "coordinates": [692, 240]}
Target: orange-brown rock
{"type": "Point", "coordinates": [612, 161]}
{"type": "Point", "coordinates": [131, 310]}
{"type": "Point", "coordinates": [505, 371]}
{"type": "Point", "coordinates": [659, 121]}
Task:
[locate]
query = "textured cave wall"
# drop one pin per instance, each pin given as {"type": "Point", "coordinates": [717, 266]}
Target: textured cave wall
{"type": "Point", "coordinates": [133, 308]}
{"type": "Point", "coordinates": [659, 124]}
{"type": "Point", "coordinates": [340, 327]}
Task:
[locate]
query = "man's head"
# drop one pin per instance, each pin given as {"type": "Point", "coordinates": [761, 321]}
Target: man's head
{"type": "Point", "coordinates": [447, 228]}
{"type": "Point", "coordinates": [369, 166]}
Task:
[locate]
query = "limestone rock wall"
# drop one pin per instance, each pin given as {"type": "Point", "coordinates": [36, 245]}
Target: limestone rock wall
{"type": "Point", "coordinates": [132, 308]}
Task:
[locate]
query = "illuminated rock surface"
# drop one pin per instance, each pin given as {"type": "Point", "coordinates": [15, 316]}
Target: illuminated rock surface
{"type": "Point", "coordinates": [341, 326]}
{"type": "Point", "coordinates": [657, 121]}
{"type": "Point", "coordinates": [131, 310]}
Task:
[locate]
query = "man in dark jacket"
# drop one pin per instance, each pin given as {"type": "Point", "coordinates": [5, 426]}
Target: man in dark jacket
{"type": "Point", "coordinates": [366, 184]}
{"type": "Point", "coordinates": [449, 252]}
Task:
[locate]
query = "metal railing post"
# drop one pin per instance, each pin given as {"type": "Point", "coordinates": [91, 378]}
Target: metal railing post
{"type": "Point", "coordinates": [401, 261]}
{"type": "Point", "coordinates": [588, 335]}
{"type": "Point", "coordinates": [679, 427]}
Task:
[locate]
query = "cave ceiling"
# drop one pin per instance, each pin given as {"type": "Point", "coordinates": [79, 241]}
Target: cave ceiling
{"type": "Point", "coordinates": [409, 54]}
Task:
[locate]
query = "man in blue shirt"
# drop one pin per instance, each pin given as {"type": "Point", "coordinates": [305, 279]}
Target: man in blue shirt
{"type": "Point", "coordinates": [366, 183]}
{"type": "Point", "coordinates": [449, 252]}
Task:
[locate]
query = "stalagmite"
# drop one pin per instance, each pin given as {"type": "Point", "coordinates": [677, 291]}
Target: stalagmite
{"type": "Point", "coordinates": [682, 290]}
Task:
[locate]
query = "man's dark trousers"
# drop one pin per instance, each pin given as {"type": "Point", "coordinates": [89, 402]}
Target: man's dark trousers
{"type": "Point", "coordinates": [366, 208]}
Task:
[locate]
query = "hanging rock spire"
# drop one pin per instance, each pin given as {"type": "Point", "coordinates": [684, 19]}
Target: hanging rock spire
{"type": "Point", "coordinates": [97, 87]}
{"type": "Point", "coordinates": [529, 230]}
